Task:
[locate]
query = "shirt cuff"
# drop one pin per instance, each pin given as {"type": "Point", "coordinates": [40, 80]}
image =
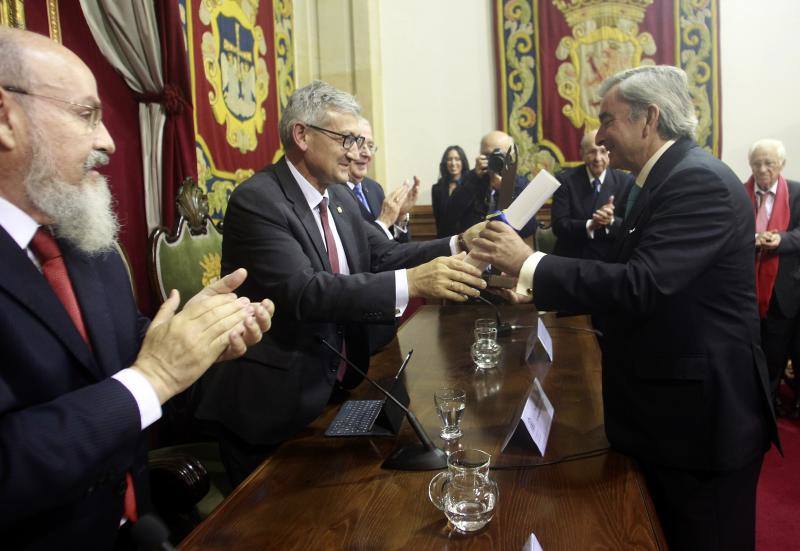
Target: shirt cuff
{"type": "Point", "coordinates": [454, 245]}
{"type": "Point", "coordinates": [385, 229]}
{"type": "Point", "coordinates": [526, 273]}
{"type": "Point", "coordinates": [589, 232]}
{"type": "Point", "coordinates": [401, 292]}
{"type": "Point", "coordinates": [144, 394]}
{"type": "Point", "coordinates": [399, 230]}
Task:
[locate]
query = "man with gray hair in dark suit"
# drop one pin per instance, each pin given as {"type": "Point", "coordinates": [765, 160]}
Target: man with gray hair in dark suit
{"type": "Point", "coordinates": [685, 386]}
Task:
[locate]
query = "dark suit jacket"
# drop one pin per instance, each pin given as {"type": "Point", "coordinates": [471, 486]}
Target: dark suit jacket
{"type": "Point", "coordinates": [469, 204]}
{"type": "Point", "coordinates": [379, 335]}
{"type": "Point", "coordinates": [440, 199]}
{"type": "Point", "coordinates": [284, 382]}
{"type": "Point", "coordinates": [575, 202]}
{"type": "Point", "coordinates": [68, 432]}
{"type": "Point", "coordinates": [786, 293]}
{"type": "Point", "coordinates": [684, 378]}
{"type": "Point", "coordinates": [375, 196]}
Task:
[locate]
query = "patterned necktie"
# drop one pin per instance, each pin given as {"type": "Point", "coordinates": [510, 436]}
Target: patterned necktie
{"type": "Point", "coordinates": [46, 249]}
{"type": "Point", "coordinates": [361, 197]}
{"type": "Point", "coordinates": [596, 185]}
{"type": "Point", "coordinates": [762, 220]}
{"type": "Point", "coordinates": [330, 242]}
{"type": "Point", "coordinates": [54, 270]}
{"type": "Point", "coordinates": [634, 193]}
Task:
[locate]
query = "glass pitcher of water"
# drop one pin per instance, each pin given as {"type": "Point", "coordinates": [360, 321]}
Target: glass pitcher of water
{"type": "Point", "coordinates": [465, 492]}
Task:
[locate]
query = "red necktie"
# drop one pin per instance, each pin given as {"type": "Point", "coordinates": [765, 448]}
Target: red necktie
{"type": "Point", "coordinates": [46, 249]}
{"type": "Point", "coordinates": [330, 242]}
{"type": "Point", "coordinates": [333, 258]}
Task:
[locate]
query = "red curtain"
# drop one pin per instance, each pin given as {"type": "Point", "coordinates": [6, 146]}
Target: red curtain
{"type": "Point", "coordinates": [179, 159]}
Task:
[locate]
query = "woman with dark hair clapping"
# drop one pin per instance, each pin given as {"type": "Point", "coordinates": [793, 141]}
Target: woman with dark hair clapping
{"type": "Point", "coordinates": [452, 168]}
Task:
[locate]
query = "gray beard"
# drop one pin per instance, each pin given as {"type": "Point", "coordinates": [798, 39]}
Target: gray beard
{"type": "Point", "coordinates": [81, 214]}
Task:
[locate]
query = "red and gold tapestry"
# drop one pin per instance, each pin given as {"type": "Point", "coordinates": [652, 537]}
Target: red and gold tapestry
{"type": "Point", "coordinates": [242, 73]}
{"type": "Point", "coordinates": [554, 54]}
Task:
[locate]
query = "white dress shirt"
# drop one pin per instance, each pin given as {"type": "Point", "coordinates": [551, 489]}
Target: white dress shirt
{"type": "Point", "coordinates": [21, 228]}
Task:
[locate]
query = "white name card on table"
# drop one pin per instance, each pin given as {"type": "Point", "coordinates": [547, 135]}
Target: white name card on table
{"type": "Point", "coordinates": [532, 544]}
{"type": "Point", "coordinates": [543, 336]}
{"type": "Point", "coordinates": [537, 416]}
{"type": "Point", "coordinates": [525, 205]}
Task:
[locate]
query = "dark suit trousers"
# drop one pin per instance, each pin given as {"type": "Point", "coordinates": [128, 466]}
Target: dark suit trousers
{"type": "Point", "coordinates": [780, 338]}
{"type": "Point", "coordinates": [708, 510]}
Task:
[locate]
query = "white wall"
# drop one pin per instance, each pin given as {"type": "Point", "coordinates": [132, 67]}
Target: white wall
{"type": "Point", "coordinates": [760, 61]}
{"type": "Point", "coordinates": [439, 81]}
{"type": "Point", "coordinates": [438, 84]}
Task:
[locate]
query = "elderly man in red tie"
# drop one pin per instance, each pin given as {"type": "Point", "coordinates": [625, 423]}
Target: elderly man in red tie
{"type": "Point", "coordinates": [776, 204]}
{"type": "Point", "coordinates": [82, 374]}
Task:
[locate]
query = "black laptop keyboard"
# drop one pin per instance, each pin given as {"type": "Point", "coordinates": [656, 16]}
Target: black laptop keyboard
{"type": "Point", "coordinates": [355, 417]}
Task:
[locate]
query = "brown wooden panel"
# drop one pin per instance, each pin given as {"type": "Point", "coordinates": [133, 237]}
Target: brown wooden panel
{"type": "Point", "coordinates": [327, 493]}
{"type": "Point", "coordinates": [423, 224]}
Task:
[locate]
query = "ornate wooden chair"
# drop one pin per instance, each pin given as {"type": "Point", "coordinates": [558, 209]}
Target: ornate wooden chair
{"type": "Point", "coordinates": [188, 257]}
{"type": "Point", "coordinates": [187, 477]}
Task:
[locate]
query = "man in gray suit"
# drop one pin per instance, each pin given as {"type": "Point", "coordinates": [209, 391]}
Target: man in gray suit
{"type": "Point", "coordinates": [329, 272]}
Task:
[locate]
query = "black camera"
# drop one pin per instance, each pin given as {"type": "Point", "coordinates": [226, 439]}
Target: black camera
{"type": "Point", "coordinates": [497, 161]}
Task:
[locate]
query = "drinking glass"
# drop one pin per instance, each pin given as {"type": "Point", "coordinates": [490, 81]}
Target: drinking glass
{"type": "Point", "coordinates": [485, 350]}
{"type": "Point", "coordinates": [450, 404]}
{"type": "Point", "coordinates": [465, 492]}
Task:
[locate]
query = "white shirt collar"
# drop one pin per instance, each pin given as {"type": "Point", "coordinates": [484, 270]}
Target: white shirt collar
{"type": "Point", "coordinates": [312, 194]}
{"type": "Point", "coordinates": [591, 176]}
{"type": "Point", "coordinates": [19, 225]}
{"type": "Point", "coordinates": [641, 178]}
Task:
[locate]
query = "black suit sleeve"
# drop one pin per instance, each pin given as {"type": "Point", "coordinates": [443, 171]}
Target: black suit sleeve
{"type": "Point", "coordinates": [564, 223]}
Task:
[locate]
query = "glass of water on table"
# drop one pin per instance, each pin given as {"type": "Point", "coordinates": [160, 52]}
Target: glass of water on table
{"type": "Point", "coordinates": [450, 404]}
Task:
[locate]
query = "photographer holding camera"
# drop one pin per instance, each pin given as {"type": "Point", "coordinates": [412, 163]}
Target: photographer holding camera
{"type": "Point", "coordinates": [478, 195]}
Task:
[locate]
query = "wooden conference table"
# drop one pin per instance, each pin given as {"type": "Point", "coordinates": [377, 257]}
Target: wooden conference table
{"type": "Point", "coordinates": [331, 493]}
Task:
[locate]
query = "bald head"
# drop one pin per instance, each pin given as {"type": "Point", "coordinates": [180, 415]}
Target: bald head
{"type": "Point", "coordinates": [52, 139]}
{"type": "Point", "coordinates": [31, 60]}
{"type": "Point", "coordinates": [496, 140]}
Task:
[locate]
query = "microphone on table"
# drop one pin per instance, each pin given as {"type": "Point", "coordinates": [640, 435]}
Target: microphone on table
{"type": "Point", "coordinates": [407, 458]}
{"type": "Point", "coordinates": [503, 327]}
{"type": "Point", "coordinates": [150, 533]}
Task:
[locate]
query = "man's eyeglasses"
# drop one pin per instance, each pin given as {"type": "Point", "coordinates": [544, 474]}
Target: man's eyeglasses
{"type": "Point", "coordinates": [347, 139]}
{"type": "Point", "coordinates": [90, 114]}
{"type": "Point", "coordinates": [372, 147]}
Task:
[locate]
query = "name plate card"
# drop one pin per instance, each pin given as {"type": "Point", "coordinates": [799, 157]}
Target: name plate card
{"type": "Point", "coordinates": [542, 336]}
{"type": "Point", "coordinates": [532, 544]}
{"type": "Point", "coordinates": [537, 416]}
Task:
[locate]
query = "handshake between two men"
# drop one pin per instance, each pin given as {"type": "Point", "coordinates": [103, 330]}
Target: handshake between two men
{"type": "Point", "coordinates": [452, 278]}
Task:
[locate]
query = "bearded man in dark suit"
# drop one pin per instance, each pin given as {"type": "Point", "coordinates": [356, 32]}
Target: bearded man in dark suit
{"type": "Point", "coordinates": [329, 271]}
{"type": "Point", "coordinates": [586, 215]}
{"type": "Point", "coordinates": [82, 375]}
{"type": "Point", "coordinates": [685, 385]}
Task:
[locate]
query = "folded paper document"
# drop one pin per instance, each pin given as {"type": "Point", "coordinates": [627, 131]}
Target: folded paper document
{"type": "Point", "coordinates": [524, 207]}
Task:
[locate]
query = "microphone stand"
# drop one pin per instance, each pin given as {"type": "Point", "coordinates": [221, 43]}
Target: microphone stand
{"type": "Point", "coordinates": [411, 457]}
{"type": "Point", "coordinates": [503, 327]}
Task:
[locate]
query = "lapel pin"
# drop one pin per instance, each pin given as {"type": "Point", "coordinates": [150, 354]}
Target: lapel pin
{"type": "Point", "coordinates": [338, 209]}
